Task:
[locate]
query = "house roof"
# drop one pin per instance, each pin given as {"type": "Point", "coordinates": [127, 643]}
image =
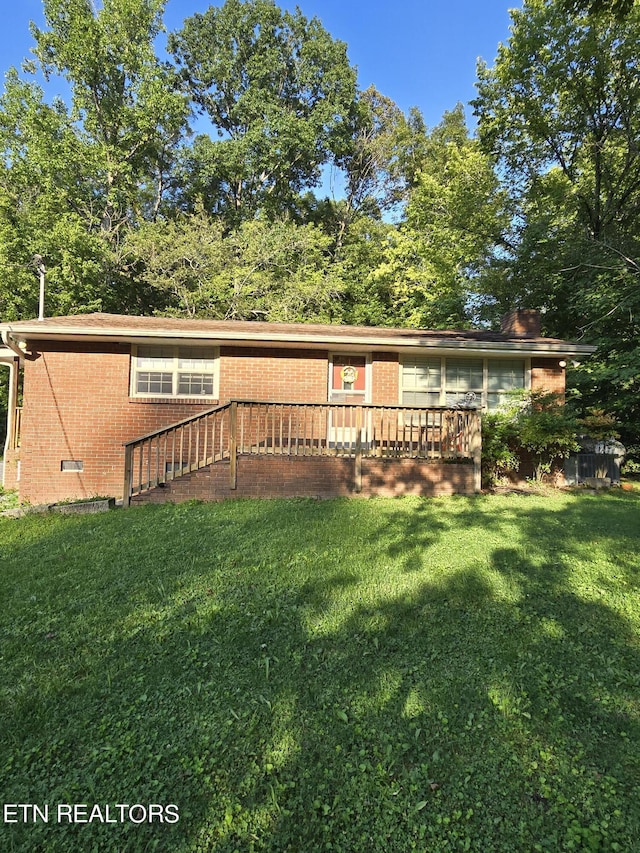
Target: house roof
{"type": "Point", "coordinates": [116, 327]}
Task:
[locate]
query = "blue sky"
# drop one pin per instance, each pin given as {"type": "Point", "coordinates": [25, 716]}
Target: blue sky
{"type": "Point", "coordinates": [418, 52]}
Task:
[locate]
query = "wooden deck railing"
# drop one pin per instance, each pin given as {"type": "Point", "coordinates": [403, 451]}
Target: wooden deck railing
{"type": "Point", "coordinates": [173, 451]}
{"type": "Point", "coordinates": [299, 429]}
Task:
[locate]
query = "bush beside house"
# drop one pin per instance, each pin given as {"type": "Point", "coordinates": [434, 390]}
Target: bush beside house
{"type": "Point", "coordinates": [534, 427]}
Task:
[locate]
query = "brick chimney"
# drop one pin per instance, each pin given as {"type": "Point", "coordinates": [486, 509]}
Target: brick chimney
{"type": "Point", "coordinates": [521, 323]}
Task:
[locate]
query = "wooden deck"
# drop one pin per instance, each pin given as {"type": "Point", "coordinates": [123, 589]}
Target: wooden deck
{"type": "Point", "coordinates": [247, 427]}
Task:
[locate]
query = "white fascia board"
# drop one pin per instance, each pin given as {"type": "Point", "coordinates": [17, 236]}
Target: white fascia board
{"type": "Point", "coordinates": [289, 340]}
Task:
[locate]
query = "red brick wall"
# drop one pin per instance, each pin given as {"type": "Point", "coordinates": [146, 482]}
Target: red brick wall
{"type": "Point", "coordinates": [283, 375]}
{"type": "Point", "coordinates": [11, 459]}
{"type": "Point", "coordinates": [77, 407]}
{"type": "Point", "coordinates": [522, 323]}
{"type": "Point", "coordinates": [547, 375]}
{"type": "Point", "coordinates": [385, 390]}
{"type": "Point", "coordinates": [319, 476]}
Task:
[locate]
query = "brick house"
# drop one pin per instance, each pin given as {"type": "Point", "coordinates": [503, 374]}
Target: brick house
{"type": "Point", "coordinates": [154, 408]}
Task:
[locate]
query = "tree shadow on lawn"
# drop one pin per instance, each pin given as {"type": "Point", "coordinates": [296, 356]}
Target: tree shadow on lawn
{"type": "Point", "coordinates": [288, 704]}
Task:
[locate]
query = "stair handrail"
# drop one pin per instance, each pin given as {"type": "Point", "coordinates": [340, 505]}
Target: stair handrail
{"type": "Point", "coordinates": [175, 425]}
{"type": "Point", "coordinates": [155, 435]}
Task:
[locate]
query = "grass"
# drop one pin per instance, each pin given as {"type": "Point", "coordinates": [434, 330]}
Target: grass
{"type": "Point", "coordinates": [8, 499]}
{"type": "Point", "coordinates": [383, 675]}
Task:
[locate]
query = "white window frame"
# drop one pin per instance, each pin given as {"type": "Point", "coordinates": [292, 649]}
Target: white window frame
{"type": "Point", "coordinates": [448, 393]}
{"type": "Point", "coordinates": [415, 389]}
{"type": "Point", "coordinates": [487, 390]}
{"type": "Point", "coordinates": [177, 350]}
{"type": "Point", "coordinates": [483, 401]}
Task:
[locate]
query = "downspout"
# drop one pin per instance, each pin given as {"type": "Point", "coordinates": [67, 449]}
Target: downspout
{"type": "Point", "coordinates": [12, 401]}
{"type": "Point", "coordinates": [11, 413]}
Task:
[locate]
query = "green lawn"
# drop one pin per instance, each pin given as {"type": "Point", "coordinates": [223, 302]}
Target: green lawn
{"type": "Point", "coordinates": [364, 675]}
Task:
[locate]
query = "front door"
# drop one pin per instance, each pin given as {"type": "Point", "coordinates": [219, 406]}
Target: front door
{"type": "Point", "coordinates": [348, 383]}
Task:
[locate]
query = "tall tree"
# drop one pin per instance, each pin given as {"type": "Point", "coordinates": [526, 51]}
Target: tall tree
{"type": "Point", "coordinates": [261, 271]}
{"type": "Point", "coordinates": [368, 158]}
{"type": "Point", "coordinates": [561, 109]}
{"type": "Point", "coordinates": [127, 104]}
{"type": "Point", "coordinates": [564, 91]}
{"type": "Point", "coordinates": [45, 192]}
{"type": "Point", "coordinates": [277, 89]}
{"type": "Point", "coordinates": [74, 178]}
{"type": "Point", "coordinates": [455, 219]}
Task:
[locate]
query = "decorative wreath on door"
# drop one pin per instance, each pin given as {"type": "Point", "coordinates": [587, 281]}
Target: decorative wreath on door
{"type": "Point", "coordinates": [349, 374]}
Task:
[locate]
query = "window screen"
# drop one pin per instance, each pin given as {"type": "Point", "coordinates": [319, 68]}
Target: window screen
{"type": "Point", "coordinates": [464, 376]}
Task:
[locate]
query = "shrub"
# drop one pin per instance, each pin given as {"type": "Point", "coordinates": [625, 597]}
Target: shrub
{"type": "Point", "coordinates": [547, 429]}
{"type": "Point", "coordinates": [499, 455]}
{"type": "Point", "coordinates": [533, 421]}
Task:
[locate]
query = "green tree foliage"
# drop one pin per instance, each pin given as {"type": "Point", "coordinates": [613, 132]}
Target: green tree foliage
{"type": "Point", "coordinates": [277, 89]}
{"type": "Point", "coordinates": [127, 103]}
{"type": "Point", "coordinates": [564, 93]}
{"type": "Point", "coordinates": [546, 429]}
{"type": "Point", "coordinates": [561, 109]}
{"type": "Point", "coordinates": [368, 160]}
{"type": "Point", "coordinates": [620, 8]}
{"type": "Point", "coordinates": [367, 299]}
{"type": "Point", "coordinates": [74, 179]}
{"type": "Point", "coordinates": [599, 424]}
{"type": "Point", "coordinates": [454, 220]}
{"type": "Point", "coordinates": [500, 456]}
{"type": "Point", "coordinates": [132, 215]}
{"type": "Point", "coordinates": [274, 271]}
{"type": "Point", "coordinates": [45, 191]}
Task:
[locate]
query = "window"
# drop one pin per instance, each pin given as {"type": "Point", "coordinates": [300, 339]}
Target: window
{"type": "Point", "coordinates": [439, 381]}
{"type": "Point", "coordinates": [464, 378]}
{"type": "Point", "coordinates": [504, 375]}
{"type": "Point", "coordinates": [160, 371]}
{"type": "Point", "coordinates": [421, 381]}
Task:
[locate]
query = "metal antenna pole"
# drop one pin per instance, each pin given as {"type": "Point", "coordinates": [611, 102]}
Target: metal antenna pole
{"type": "Point", "coordinates": [39, 264]}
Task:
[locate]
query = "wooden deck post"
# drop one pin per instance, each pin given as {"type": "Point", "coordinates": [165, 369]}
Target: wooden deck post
{"type": "Point", "coordinates": [358, 460]}
{"type": "Point", "coordinates": [126, 491]}
{"type": "Point", "coordinates": [476, 450]}
{"type": "Point", "coordinates": [233, 445]}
